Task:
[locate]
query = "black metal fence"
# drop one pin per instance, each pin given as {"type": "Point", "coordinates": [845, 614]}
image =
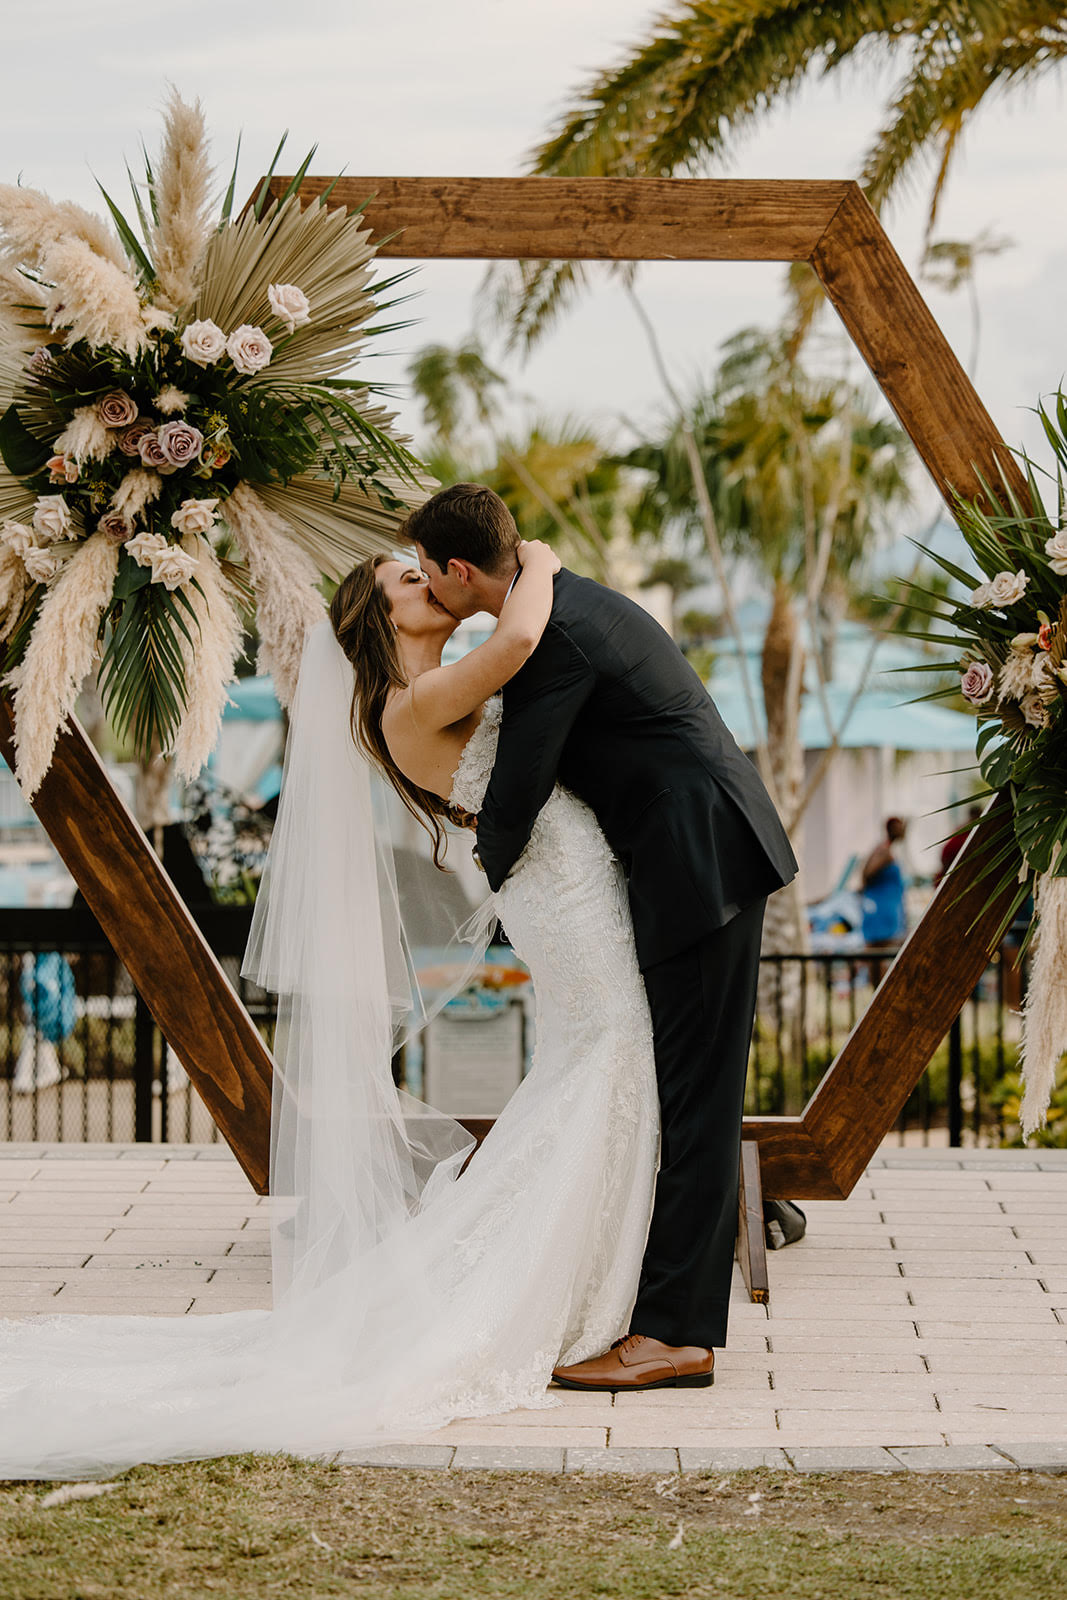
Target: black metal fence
{"type": "Point", "coordinates": [82, 1060]}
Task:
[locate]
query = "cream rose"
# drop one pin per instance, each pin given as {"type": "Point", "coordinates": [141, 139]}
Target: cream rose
{"type": "Point", "coordinates": [249, 349]}
{"type": "Point", "coordinates": [18, 537]}
{"type": "Point", "coordinates": [51, 518]}
{"type": "Point", "coordinates": [172, 567]}
{"type": "Point", "coordinates": [146, 545]}
{"type": "Point", "coordinates": [976, 684]}
{"type": "Point", "coordinates": [203, 343]}
{"type": "Point", "coordinates": [289, 304]}
{"type": "Point", "coordinates": [1056, 550]}
{"type": "Point", "coordinates": [195, 516]}
{"type": "Point", "coordinates": [1006, 588]}
{"type": "Point", "coordinates": [41, 564]}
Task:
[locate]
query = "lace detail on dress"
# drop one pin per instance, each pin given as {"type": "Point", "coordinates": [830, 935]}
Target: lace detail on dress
{"type": "Point", "coordinates": [476, 763]}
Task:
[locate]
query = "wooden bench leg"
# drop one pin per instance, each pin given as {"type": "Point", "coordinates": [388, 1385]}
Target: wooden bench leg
{"type": "Point", "coordinates": [751, 1243]}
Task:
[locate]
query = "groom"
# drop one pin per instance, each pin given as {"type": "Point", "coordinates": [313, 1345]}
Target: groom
{"type": "Point", "coordinates": [608, 706]}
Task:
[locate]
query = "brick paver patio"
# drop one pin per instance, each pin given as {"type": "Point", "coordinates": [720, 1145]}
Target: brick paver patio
{"type": "Point", "coordinates": [922, 1322]}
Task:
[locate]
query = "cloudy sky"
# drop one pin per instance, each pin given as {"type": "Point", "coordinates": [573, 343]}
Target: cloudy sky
{"type": "Point", "coordinates": [468, 87]}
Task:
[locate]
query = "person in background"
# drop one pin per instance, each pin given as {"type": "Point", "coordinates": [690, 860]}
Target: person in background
{"type": "Point", "coordinates": [884, 921]}
{"type": "Point", "coordinates": [952, 847]}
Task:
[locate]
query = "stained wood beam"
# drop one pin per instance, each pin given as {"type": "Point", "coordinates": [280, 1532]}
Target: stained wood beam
{"type": "Point", "coordinates": [156, 939]}
{"type": "Point", "coordinates": [909, 357]}
{"type": "Point", "coordinates": [591, 219]}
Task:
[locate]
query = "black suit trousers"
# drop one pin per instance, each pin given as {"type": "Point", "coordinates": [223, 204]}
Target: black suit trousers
{"type": "Point", "coordinates": [702, 1003]}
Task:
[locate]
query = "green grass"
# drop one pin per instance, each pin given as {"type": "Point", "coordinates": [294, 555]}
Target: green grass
{"type": "Point", "coordinates": [258, 1527]}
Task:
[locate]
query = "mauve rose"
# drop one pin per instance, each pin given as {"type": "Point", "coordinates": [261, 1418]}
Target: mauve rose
{"type": "Point", "coordinates": [289, 304]}
{"type": "Point", "coordinates": [114, 527]}
{"type": "Point", "coordinates": [41, 565]}
{"type": "Point", "coordinates": [1056, 550]}
{"type": "Point", "coordinates": [144, 546]}
{"type": "Point", "coordinates": [130, 438]}
{"type": "Point", "coordinates": [152, 453]}
{"type": "Point", "coordinates": [249, 349]}
{"type": "Point", "coordinates": [976, 684]}
{"type": "Point", "coordinates": [51, 518]}
{"type": "Point", "coordinates": [195, 516]}
{"type": "Point", "coordinates": [204, 343]}
{"type": "Point", "coordinates": [172, 567]}
{"type": "Point", "coordinates": [116, 410]}
{"type": "Point", "coordinates": [180, 443]}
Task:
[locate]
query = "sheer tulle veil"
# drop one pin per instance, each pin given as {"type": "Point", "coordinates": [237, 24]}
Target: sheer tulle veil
{"type": "Point", "coordinates": [347, 1354]}
{"type": "Point", "coordinates": [351, 1153]}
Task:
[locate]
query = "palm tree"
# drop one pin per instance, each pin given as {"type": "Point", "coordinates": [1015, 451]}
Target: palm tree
{"type": "Point", "coordinates": [800, 473]}
{"type": "Point", "coordinates": [681, 99]}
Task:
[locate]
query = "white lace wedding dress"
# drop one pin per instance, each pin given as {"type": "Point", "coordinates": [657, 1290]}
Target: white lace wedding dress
{"type": "Point", "coordinates": [532, 1255]}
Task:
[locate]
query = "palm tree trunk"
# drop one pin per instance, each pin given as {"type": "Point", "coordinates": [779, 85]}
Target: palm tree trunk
{"type": "Point", "coordinates": [785, 928]}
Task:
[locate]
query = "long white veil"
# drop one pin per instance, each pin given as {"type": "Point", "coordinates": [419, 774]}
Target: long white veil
{"type": "Point", "coordinates": [350, 1152]}
{"type": "Point", "coordinates": [349, 1351]}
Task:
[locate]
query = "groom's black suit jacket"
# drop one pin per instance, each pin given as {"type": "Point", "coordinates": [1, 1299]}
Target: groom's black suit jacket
{"type": "Point", "coordinates": [608, 706]}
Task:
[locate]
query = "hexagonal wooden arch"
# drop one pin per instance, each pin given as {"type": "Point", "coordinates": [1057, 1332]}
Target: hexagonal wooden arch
{"type": "Point", "coordinates": [822, 1152]}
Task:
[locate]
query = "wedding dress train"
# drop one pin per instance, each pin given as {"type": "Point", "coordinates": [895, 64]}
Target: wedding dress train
{"type": "Point", "coordinates": [462, 1306]}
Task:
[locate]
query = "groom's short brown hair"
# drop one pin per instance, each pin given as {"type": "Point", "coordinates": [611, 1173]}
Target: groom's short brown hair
{"type": "Point", "coordinates": [467, 522]}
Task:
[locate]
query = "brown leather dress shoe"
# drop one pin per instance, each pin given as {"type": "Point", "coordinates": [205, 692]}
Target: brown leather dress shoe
{"type": "Point", "coordinates": [638, 1362]}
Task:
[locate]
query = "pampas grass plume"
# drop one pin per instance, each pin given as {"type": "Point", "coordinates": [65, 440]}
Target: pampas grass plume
{"type": "Point", "coordinates": [24, 328]}
{"type": "Point", "coordinates": [209, 661]}
{"type": "Point", "coordinates": [60, 655]}
{"type": "Point", "coordinates": [85, 438]}
{"type": "Point", "coordinates": [32, 224]}
{"type": "Point", "coordinates": [288, 602]}
{"type": "Point", "coordinates": [12, 589]}
{"type": "Point", "coordinates": [92, 298]}
{"type": "Point", "coordinates": [1044, 1036]}
{"type": "Point", "coordinates": [136, 490]}
{"type": "Point", "coordinates": [183, 200]}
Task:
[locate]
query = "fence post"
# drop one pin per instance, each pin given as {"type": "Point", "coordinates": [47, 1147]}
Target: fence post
{"type": "Point", "coordinates": [955, 1083]}
{"type": "Point", "coordinates": [144, 1070]}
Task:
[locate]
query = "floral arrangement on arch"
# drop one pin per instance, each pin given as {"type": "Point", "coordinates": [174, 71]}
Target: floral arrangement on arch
{"type": "Point", "coordinates": [1010, 633]}
{"type": "Point", "coordinates": [182, 437]}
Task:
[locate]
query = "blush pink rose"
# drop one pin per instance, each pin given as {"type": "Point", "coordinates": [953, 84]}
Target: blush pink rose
{"type": "Point", "coordinates": [976, 684]}
{"type": "Point", "coordinates": [62, 470]}
{"type": "Point", "coordinates": [116, 410]}
{"type": "Point", "coordinates": [249, 349]}
{"type": "Point", "coordinates": [180, 443]}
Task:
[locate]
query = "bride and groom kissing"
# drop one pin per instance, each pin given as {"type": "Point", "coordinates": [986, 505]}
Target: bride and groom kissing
{"type": "Point", "coordinates": [605, 708]}
{"type": "Point", "coordinates": [630, 847]}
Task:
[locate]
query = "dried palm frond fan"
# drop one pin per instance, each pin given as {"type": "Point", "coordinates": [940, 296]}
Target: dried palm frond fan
{"type": "Point", "coordinates": [181, 436]}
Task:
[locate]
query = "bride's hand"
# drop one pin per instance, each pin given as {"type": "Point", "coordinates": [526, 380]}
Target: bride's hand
{"type": "Point", "coordinates": [533, 551]}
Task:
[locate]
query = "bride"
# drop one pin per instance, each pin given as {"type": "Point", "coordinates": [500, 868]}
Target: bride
{"type": "Point", "coordinates": [409, 1288]}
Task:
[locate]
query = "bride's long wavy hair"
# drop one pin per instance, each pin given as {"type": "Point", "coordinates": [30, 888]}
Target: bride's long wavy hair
{"type": "Point", "coordinates": [360, 615]}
